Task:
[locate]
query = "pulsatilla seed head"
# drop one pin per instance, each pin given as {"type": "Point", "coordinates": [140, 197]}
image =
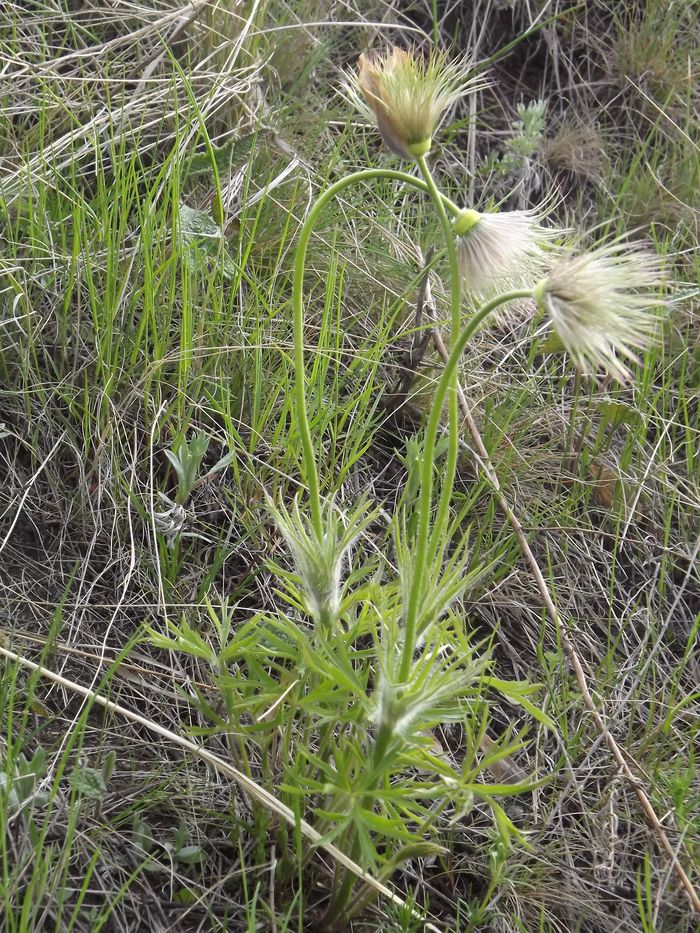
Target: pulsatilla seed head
{"type": "Point", "coordinates": [501, 251]}
{"type": "Point", "coordinates": [407, 95]}
{"type": "Point", "coordinates": [604, 305]}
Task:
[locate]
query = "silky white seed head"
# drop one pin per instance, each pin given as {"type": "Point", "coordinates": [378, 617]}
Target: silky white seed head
{"type": "Point", "coordinates": [501, 251]}
{"type": "Point", "coordinates": [604, 305]}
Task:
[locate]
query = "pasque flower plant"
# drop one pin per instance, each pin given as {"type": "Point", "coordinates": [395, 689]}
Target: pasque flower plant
{"type": "Point", "coordinates": [342, 686]}
{"type": "Point", "coordinates": [426, 670]}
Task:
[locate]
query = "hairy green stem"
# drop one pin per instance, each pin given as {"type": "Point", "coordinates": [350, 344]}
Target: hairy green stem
{"type": "Point", "coordinates": [381, 745]}
{"type": "Point", "coordinates": [447, 382]}
{"type": "Point", "coordinates": [438, 542]}
{"type": "Point", "coordinates": [310, 466]}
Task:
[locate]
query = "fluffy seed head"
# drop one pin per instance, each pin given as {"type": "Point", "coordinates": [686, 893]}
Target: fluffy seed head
{"type": "Point", "coordinates": [602, 303]}
{"type": "Point", "coordinates": [407, 95]}
{"type": "Point", "coordinates": [499, 252]}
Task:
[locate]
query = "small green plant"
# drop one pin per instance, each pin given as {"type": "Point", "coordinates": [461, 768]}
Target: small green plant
{"type": "Point", "coordinates": [526, 139]}
{"type": "Point", "coordinates": [516, 168]}
{"type": "Point", "coordinates": [186, 460]}
{"type": "Point", "coordinates": [202, 241]}
{"type": "Point", "coordinates": [177, 845]}
{"type": "Point", "coordinates": [20, 782]}
{"type": "Point", "coordinates": [91, 783]}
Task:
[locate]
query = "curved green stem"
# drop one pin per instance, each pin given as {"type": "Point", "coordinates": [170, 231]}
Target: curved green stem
{"type": "Point", "coordinates": [447, 382]}
{"type": "Point", "coordinates": [439, 540]}
{"type": "Point", "coordinates": [298, 303]}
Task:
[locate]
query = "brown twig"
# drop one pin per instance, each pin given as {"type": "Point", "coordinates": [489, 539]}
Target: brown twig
{"type": "Point", "coordinates": [569, 648]}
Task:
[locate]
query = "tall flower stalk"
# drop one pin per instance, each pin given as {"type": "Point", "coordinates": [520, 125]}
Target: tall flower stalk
{"type": "Point", "coordinates": [423, 542]}
{"type": "Point", "coordinates": [407, 96]}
